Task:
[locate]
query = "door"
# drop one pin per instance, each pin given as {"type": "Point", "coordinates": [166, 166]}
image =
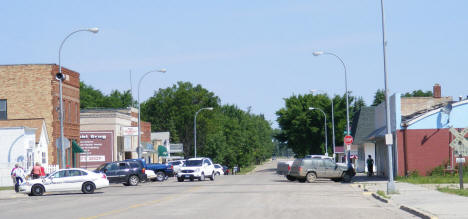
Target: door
{"type": "Point", "coordinates": [321, 169]}
{"type": "Point", "coordinates": [330, 168]}
{"type": "Point", "coordinates": [74, 180]}
{"type": "Point", "coordinates": [111, 171]}
{"type": "Point", "coordinates": [56, 182]}
{"type": "Point", "coordinates": [123, 171]}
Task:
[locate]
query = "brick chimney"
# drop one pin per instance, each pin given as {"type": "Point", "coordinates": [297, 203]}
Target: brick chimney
{"type": "Point", "coordinates": [437, 91]}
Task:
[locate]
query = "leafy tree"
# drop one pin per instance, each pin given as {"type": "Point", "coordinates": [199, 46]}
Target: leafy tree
{"type": "Point", "coordinates": [418, 93]}
{"type": "Point", "coordinates": [93, 98]}
{"type": "Point", "coordinates": [379, 97]}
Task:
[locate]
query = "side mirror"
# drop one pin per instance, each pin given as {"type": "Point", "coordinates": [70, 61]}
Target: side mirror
{"type": "Point", "coordinates": [104, 170]}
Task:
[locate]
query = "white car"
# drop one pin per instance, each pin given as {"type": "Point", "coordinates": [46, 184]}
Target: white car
{"type": "Point", "coordinates": [177, 164]}
{"type": "Point", "coordinates": [150, 175]}
{"type": "Point", "coordinates": [197, 168]}
{"type": "Point", "coordinates": [219, 169]}
{"type": "Point", "coordinates": [73, 179]}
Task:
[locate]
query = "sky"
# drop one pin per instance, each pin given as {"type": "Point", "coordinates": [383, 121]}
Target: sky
{"type": "Point", "coordinates": [249, 53]}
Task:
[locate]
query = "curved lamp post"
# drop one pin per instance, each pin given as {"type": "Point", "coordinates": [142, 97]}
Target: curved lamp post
{"type": "Point", "coordinates": [60, 77]}
{"type": "Point", "coordinates": [333, 120]}
{"type": "Point", "coordinates": [347, 95]}
{"type": "Point", "coordinates": [195, 128]}
{"type": "Point", "coordinates": [325, 125]}
{"type": "Point", "coordinates": [139, 148]}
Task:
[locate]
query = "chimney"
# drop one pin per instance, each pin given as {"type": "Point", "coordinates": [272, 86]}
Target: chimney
{"type": "Point", "coordinates": [437, 91]}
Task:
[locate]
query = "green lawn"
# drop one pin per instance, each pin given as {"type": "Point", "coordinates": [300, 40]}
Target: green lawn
{"type": "Point", "coordinates": [246, 170]}
{"type": "Point", "coordinates": [463, 192]}
{"type": "Point", "coordinates": [383, 194]}
{"type": "Point", "coordinates": [431, 179]}
{"type": "Point", "coordinates": [7, 188]}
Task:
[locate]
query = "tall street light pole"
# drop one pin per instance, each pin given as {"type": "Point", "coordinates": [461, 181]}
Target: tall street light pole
{"type": "Point", "coordinates": [59, 76]}
{"type": "Point", "coordinates": [347, 97]}
{"type": "Point", "coordinates": [333, 122]}
{"type": "Point", "coordinates": [195, 128]}
{"type": "Point", "coordinates": [139, 148]}
{"type": "Point", "coordinates": [388, 137]}
{"type": "Point", "coordinates": [325, 126]}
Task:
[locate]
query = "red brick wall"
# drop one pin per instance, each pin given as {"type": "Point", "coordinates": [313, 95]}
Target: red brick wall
{"type": "Point", "coordinates": [146, 129]}
{"type": "Point", "coordinates": [422, 150]}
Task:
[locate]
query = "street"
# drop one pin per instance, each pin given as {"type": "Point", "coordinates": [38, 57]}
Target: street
{"type": "Point", "coordinates": [262, 194]}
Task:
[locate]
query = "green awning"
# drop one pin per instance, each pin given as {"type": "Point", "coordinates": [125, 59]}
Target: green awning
{"type": "Point", "coordinates": [162, 151]}
{"type": "Point", "coordinates": [76, 148]}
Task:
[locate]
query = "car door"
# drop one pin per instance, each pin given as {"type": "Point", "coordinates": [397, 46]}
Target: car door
{"type": "Point", "coordinates": [111, 171]}
{"type": "Point", "coordinates": [56, 181]}
{"type": "Point", "coordinates": [123, 171]}
{"type": "Point", "coordinates": [74, 180]}
{"type": "Point", "coordinates": [329, 166]}
{"type": "Point", "coordinates": [320, 165]}
{"type": "Point", "coordinates": [209, 167]}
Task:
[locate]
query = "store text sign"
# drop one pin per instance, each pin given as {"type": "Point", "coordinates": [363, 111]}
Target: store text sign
{"type": "Point", "coordinates": [97, 146]}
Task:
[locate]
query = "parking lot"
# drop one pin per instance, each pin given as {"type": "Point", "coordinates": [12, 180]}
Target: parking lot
{"type": "Point", "coordinates": [262, 194]}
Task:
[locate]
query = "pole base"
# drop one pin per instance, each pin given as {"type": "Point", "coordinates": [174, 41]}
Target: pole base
{"type": "Point", "coordinates": [391, 188]}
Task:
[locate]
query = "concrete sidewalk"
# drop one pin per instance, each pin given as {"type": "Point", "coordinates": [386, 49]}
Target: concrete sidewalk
{"type": "Point", "coordinates": [424, 200]}
{"type": "Point", "coordinates": [9, 194]}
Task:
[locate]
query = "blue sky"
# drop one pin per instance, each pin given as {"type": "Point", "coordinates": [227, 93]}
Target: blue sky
{"type": "Point", "coordinates": [250, 53]}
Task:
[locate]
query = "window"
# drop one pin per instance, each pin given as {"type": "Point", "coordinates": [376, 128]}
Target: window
{"type": "Point", "coordinates": [60, 174]}
{"type": "Point", "coordinates": [134, 165]}
{"type": "Point", "coordinates": [74, 173]}
{"type": "Point", "coordinates": [43, 157]}
{"type": "Point", "coordinates": [69, 112]}
{"type": "Point", "coordinates": [122, 166]}
{"type": "Point", "coordinates": [77, 113]}
{"type": "Point", "coordinates": [3, 110]}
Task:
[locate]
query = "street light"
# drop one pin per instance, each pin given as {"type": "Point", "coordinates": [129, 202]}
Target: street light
{"type": "Point", "coordinates": [388, 137]}
{"type": "Point", "coordinates": [317, 53]}
{"type": "Point", "coordinates": [139, 133]}
{"type": "Point", "coordinates": [60, 78]}
{"type": "Point", "coordinates": [325, 124]}
{"type": "Point", "coordinates": [195, 128]}
{"type": "Point", "coordinates": [333, 121]}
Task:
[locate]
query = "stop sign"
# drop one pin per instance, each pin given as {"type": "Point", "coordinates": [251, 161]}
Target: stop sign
{"type": "Point", "coordinates": [348, 139]}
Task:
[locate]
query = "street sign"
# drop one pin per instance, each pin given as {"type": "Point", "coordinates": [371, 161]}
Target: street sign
{"type": "Point", "coordinates": [66, 143]}
{"type": "Point", "coordinates": [348, 147]}
{"type": "Point", "coordinates": [459, 143]}
{"type": "Point", "coordinates": [460, 160]}
{"type": "Point", "coordinates": [348, 140]}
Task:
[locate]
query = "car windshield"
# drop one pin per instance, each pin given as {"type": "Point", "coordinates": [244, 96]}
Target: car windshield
{"type": "Point", "coordinates": [99, 168]}
{"type": "Point", "coordinates": [193, 163]}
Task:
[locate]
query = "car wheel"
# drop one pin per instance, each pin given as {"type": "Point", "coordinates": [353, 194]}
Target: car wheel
{"type": "Point", "coordinates": [191, 179]}
{"type": "Point", "coordinates": [37, 190]}
{"type": "Point", "coordinates": [301, 180]}
{"type": "Point", "coordinates": [212, 177]}
{"type": "Point", "coordinates": [202, 177]}
{"type": "Point", "coordinates": [160, 176]}
{"type": "Point", "coordinates": [291, 178]}
{"type": "Point", "coordinates": [311, 177]}
{"type": "Point", "coordinates": [346, 178]}
{"type": "Point", "coordinates": [88, 188]}
{"type": "Point", "coordinates": [133, 180]}
{"type": "Point", "coordinates": [180, 179]}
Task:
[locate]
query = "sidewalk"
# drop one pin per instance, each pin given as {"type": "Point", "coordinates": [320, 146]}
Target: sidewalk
{"type": "Point", "coordinates": [422, 199]}
{"type": "Point", "coordinates": [9, 194]}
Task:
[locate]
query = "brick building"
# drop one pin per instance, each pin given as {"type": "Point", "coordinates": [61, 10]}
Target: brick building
{"type": "Point", "coordinates": [31, 91]}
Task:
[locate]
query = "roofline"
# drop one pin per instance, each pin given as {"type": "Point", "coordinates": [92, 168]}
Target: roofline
{"type": "Point", "coordinates": [432, 112]}
{"type": "Point", "coordinates": [28, 64]}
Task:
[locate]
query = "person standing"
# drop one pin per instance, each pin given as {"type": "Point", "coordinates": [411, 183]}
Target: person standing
{"type": "Point", "coordinates": [370, 166]}
{"type": "Point", "coordinates": [42, 171]}
{"type": "Point", "coordinates": [36, 171]}
{"type": "Point", "coordinates": [18, 175]}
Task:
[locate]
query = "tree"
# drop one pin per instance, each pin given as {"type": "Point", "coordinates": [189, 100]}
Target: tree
{"type": "Point", "coordinates": [93, 98]}
{"type": "Point", "coordinates": [418, 93]}
{"type": "Point", "coordinates": [379, 97]}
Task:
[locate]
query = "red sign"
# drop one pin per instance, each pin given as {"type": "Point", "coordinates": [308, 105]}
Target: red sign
{"type": "Point", "coordinates": [98, 147]}
{"type": "Point", "coordinates": [348, 139]}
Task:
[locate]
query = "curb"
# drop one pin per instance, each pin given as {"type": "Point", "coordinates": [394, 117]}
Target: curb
{"type": "Point", "coordinates": [380, 198]}
{"type": "Point", "coordinates": [417, 212]}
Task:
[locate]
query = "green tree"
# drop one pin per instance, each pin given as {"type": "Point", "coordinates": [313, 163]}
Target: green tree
{"type": "Point", "coordinates": [418, 93]}
{"type": "Point", "coordinates": [93, 98]}
{"type": "Point", "coordinates": [379, 97]}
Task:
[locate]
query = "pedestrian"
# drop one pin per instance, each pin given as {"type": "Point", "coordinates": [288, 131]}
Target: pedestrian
{"type": "Point", "coordinates": [18, 175]}
{"type": "Point", "coordinates": [42, 171]}
{"type": "Point", "coordinates": [36, 171]}
{"type": "Point", "coordinates": [370, 166]}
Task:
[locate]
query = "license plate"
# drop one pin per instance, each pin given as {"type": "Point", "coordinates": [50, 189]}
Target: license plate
{"type": "Point", "coordinates": [187, 176]}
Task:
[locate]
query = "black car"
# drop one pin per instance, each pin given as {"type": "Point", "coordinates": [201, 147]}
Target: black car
{"type": "Point", "coordinates": [128, 172]}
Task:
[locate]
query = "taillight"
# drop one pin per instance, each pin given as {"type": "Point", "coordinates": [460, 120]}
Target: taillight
{"type": "Point", "coordinates": [172, 167]}
{"type": "Point", "coordinates": [289, 168]}
{"type": "Point", "coordinates": [300, 169]}
{"type": "Point", "coordinates": [103, 175]}
{"type": "Point", "coordinates": [143, 170]}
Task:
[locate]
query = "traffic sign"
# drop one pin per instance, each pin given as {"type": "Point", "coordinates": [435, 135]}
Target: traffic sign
{"type": "Point", "coordinates": [348, 139]}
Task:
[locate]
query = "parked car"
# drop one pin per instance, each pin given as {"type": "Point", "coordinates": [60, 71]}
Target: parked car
{"type": "Point", "coordinates": [151, 176]}
{"type": "Point", "coordinates": [177, 164]}
{"type": "Point", "coordinates": [74, 179]}
{"type": "Point", "coordinates": [312, 168]}
{"type": "Point", "coordinates": [197, 168]}
{"type": "Point", "coordinates": [226, 170]}
{"type": "Point", "coordinates": [219, 169]}
{"type": "Point", "coordinates": [284, 168]}
{"type": "Point", "coordinates": [128, 172]}
{"type": "Point", "coordinates": [162, 171]}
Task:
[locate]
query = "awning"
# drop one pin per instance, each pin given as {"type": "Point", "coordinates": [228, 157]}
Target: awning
{"type": "Point", "coordinates": [162, 151]}
{"type": "Point", "coordinates": [76, 148]}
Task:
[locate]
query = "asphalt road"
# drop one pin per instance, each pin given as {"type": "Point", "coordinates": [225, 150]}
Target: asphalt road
{"type": "Point", "coordinates": [262, 194]}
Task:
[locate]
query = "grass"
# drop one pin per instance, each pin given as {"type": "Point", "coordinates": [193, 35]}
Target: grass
{"type": "Point", "coordinates": [246, 170]}
{"type": "Point", "coordinates": [431, 179]}
{"type": "Point", "coordinates": [383, 194]}
{"type": "Point", "coordinates": [460, 192]}
{"type": "Point", "coordinates": [7, 188]}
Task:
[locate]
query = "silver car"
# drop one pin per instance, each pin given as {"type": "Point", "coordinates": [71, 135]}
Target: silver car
{"type": "Point", "coordinates": [311, 169]}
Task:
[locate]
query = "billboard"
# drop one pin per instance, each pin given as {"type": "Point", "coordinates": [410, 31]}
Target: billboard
{"type": "Point", "coordinates": [98, 147]}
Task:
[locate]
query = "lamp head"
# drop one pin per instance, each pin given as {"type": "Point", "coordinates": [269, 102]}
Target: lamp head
{"type": "Point", "coordinates": [311, 108]}
{"type": "Point", "coordinates": [93, 30]}
{"type": "Point", "coordinates": [317, 53]}
{"type": "Point", "coordinates": [163, 70]}
{"type": "Point", "coordinates": [209, 108]}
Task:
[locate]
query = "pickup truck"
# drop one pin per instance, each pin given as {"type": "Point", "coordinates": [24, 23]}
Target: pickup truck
{"type": "Point", "coordinates": [161, 170]}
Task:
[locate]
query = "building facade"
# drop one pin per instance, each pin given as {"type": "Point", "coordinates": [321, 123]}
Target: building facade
{"type": "Point", "coordinates": [31, 91]}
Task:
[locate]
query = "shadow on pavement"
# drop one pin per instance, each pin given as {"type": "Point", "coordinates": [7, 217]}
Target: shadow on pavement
{"type": "Point", "coordinates": [362, 178]}
{"type": "Point", "coordinates": [266, 170]}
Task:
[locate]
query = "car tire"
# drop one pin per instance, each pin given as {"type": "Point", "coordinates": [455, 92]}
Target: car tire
{"type": "Point", "coordinates": [212, 177]}
{"type": "Point", "coordinates": [301, 180]}
{"type": "Point", "coordinates": [180, 179]}
{"type": "Point", "coordinates": [37, 190]}
{"type": "Point", "coordinates": [202, 177]}
{"type": "Point", "coordinates": [311, 177]}
{"type": "Point", "coordinates": [291, 178]}
{"type": "Point", "coordinates": [133, 180]}
{"type": "Point", "coordinates": [192, 179]}
{"type": "Point", "coordinates": [160, 176]}
{"type": "Point", "coordinates": [88, 188]}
